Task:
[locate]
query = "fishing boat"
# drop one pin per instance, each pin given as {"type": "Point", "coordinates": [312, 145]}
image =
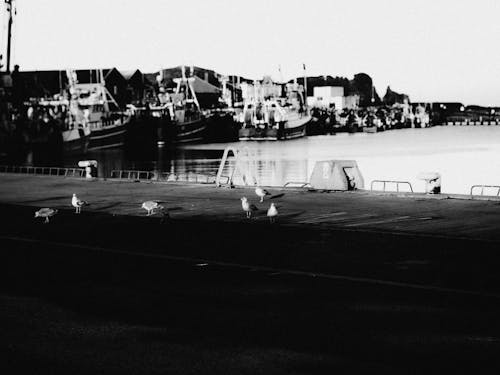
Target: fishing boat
{"type": "Point", "coordinates": [149, 126]}
{"type": "Point", "coordinates": [189, 123]}
{"type": "Point", "coordinates": [94, 109]}
{"type": "Point", "coordinates": [268, 117]}
{"type": "Point", "coordinates": [55, 113]}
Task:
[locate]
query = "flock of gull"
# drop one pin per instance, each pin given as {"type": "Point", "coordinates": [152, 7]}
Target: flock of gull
{"type": "Point", "coordinates": [153, 206]}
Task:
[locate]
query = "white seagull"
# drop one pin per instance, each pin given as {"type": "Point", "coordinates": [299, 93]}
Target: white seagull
{"type": "Point", "coordinates": [272, 213]}
{"type": "Point", "coordinates": [152, 206]}
{"type": "Point", "coordinates": [261, 193]}
{"type": "Point", "coordinates": [247, 207]}
{"type": "Point", "coordinates": [46, 213]}
{"type": "Point", "coordinates": [77, 203]}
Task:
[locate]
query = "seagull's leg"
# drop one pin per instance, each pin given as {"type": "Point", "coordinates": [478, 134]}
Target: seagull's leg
{"type": "Point", "coordinates": [261, 199]}
{"type": "Point", "coordinates": [46, 220]}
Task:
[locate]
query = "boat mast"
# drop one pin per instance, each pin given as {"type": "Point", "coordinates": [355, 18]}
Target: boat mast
{"type": "Point", "coordinates": [188, 84]}
{"type": "Point", "coordinates": [103, 90]}
{"type": "Point", "coordinates": [305, 85]}
{"type": "Point", "coordinates": [9, 31]}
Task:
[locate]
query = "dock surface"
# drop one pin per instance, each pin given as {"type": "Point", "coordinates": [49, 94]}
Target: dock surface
{"type": "Point", "coordinates": [417, 214]}
{"type": "Point", "coordinates": [342, 282]}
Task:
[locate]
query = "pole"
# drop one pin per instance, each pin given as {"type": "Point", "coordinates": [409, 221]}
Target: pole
{"type": "Point", "coordinates": [305, 85]}
{"type": "Point", "coordinates": [9, 33]}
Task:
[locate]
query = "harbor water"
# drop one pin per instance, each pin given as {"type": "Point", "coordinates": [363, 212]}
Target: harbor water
{"type": "Point", "coordinates": [463, 155]}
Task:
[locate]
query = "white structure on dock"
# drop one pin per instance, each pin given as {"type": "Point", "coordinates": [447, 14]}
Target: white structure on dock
{"type": "Point", "coordinates": [325, 96]}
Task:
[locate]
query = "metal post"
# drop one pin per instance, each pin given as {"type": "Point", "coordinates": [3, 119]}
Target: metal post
{"type": "Point", "coordinates": [9, 33]}
{"type": "Point", "coordinates": [305, 86]}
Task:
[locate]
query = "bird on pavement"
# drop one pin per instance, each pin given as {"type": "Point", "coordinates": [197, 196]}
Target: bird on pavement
{"type": "Point", "coordinates": [272, 213]}
{"type": "Point", "coordinates": [152, 206]}
{"type": "Point", "coordinates": [78, 204]}
{"type": "Point", "coordinates": [247, 207]}
{"type": "Point", "coordinates": [46, 213]}
{"type": "Point", "coordinates": [261, 193]}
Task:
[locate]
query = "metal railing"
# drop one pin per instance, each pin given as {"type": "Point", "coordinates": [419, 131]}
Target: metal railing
{"type": "Point", "coordinates": [45, 171]}
{"type": "Point", "coordinates": [389, 182]}
{"type": "Point", "coordinates": [299, 184]}
{"type": "Point", "coordinates": [136, 175]}
{"type": "Point", "coordinates": [133, 174]}
{"type": "Point", "coordinates": [482, 190]}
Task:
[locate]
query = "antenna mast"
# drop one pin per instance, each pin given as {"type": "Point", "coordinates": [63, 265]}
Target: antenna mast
{"type": "Point", "coordinates": [9, 31]}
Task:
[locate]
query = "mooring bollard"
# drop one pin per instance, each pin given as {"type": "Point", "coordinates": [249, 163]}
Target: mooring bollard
{"type": "Point", "coordinates": [432, 182]}
{"type": "Point", "coordinates": [90, 167]}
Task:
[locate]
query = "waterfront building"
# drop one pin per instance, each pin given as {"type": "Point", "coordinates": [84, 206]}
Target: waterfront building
{"type": "Point", "coordinates": [327, 96]}
{"type": "Point", "coordinates": [113, 79]}
{"type": "Point", "coordinates": [139, 86]}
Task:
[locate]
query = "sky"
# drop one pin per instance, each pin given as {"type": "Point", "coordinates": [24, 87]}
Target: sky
{"type": "Point", "coordinates": [432, 50]}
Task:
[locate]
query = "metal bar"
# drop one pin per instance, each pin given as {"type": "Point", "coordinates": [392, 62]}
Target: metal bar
{"type": "Point", "coordinates": [301, 183]}
{"type": "Point", "coordinates": [473, 187]}
{"type": "Point", "coordinates": [386, 182]}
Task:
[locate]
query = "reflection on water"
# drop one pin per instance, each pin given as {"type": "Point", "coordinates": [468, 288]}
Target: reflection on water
{"type": "Point", "coordinates": [463, 155]}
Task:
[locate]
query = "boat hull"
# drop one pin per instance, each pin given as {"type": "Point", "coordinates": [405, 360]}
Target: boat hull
{"type": "Point", "coordinates": [76, 140]}
{"type": "Point", "coordinates": [190, 131]}
{"type": "Point", "coordinates": [145, 132]}
{"type": "Point", "coordinates": [108, 137]}
{"type": "Point", "coordinates": [295, 128]}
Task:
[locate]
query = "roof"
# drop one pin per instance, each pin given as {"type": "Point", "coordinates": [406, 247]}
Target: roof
{"type": "Point", "coordinates": [92, 75]}
{"type": "Point", "coordinates": [151, 77]}
{"type": "Point", "coordinates": [203, 87]}
{"type": "Point", "coordinates": [127, 74]}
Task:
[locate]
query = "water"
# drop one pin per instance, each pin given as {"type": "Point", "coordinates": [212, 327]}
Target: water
{"type": "Point", "coordinates": [463, 155]}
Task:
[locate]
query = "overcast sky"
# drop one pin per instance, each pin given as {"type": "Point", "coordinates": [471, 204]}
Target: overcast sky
{"type": "Point", "coordinates": [433, 50]}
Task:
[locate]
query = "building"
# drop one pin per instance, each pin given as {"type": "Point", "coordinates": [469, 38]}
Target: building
{"type": "Point", "coordinates": [207, 94]}
{"type": "Point", "coordinates": [327, 96]}
{"type": "Point", "coordinates": [113, 80]}
{"type": "Point", "coordinates": [139, 86]}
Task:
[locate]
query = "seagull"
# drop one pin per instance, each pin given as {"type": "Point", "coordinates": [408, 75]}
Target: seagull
{"type": "Point", "coordinates": [272, 213]}
{"type": "Point", "coordinates": [151, 206]}
{"type": "Point", "coordinates": [46, 213]}
{"type": "Point", "coordinates": [77, 203]}
{"type": "Point", "coordinates": [247, 207]}
{"type": "Point", "coordinates": [261, 193]}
